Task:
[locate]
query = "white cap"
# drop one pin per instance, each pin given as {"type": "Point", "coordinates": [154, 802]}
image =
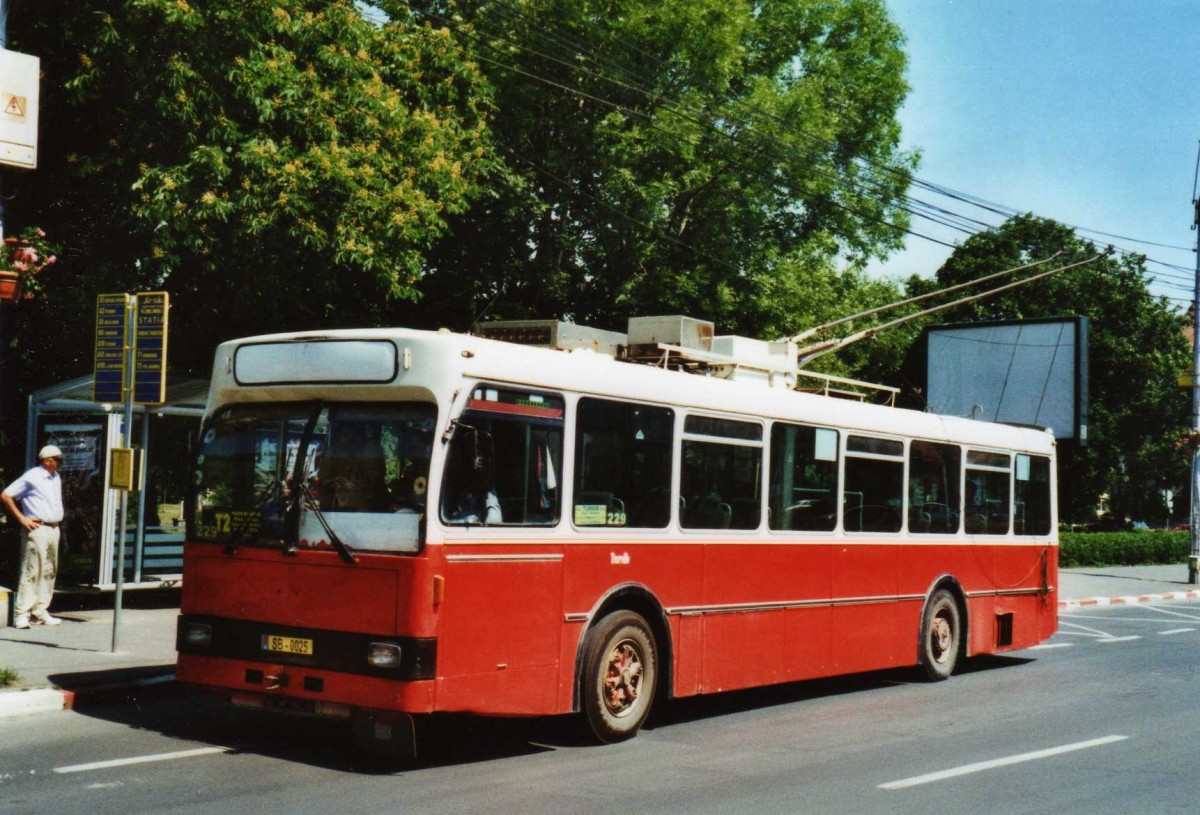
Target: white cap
{"type": "Point", "coordinates": [49, 451]}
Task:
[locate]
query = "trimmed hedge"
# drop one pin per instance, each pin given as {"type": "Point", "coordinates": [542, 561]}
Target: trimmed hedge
{"type": "Point", "coordinates": [1139, 548]}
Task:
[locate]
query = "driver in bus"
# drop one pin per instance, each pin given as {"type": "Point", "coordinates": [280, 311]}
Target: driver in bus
{"type": "Point", "coordinates": [352, 470]}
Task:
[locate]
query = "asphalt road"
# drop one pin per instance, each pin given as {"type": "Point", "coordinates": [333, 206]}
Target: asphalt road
{"type": "Point", "coordinates": [1101, 719]}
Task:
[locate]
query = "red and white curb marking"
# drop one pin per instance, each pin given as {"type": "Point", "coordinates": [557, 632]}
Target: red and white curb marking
{"type": "Point", "coordinates": [1130, 600]}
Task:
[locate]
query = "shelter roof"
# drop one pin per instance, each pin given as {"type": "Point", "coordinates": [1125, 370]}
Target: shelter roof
{"type": "Point", "coordinates": [185, 397]}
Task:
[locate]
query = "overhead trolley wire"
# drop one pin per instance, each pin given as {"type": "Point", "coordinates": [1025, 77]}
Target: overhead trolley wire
{"type": "Point", "coordinates": [915, 207]}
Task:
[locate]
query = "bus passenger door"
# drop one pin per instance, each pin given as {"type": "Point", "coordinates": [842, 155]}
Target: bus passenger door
{"type": "Point", "coordinates": [498, 639]}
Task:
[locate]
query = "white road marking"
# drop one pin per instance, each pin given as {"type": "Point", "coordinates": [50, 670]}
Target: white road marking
{"type": "Point", "coordinates": [1171, 612]}
{"type": "Point", "coordinates": [1119, 639]}
{"type": "Point", "coordinates": [1084, 631]}
{"type": "Point", "coordinates": [1045, 646]}
{"type": "Point", "coordinates": [122, 762]}
{"type": "Point", "coordinates": [1150, 620]}
{"type": "Point", "coordinates": [1175, 631]}
{"type": "Point", "coordinates": [967, 769]}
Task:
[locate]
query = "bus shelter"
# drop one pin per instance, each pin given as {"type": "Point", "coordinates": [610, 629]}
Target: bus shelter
{"type": "Point", "coordinates": [66, 416]}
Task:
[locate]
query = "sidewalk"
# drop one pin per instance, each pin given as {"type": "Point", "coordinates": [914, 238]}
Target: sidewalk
{"type": "Point", "coordinates": [1120, 585]}
{"type": "Point", "coordinates": [56, 666]}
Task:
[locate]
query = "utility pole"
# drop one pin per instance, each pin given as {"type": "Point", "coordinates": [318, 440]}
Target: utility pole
{"type": "Point", "coordinates": [1194, 526]}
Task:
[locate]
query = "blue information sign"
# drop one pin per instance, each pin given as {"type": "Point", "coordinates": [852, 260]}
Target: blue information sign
{"type": "Point", "coordinates": [150, 349]}
{"type": "Point", "coordinates": [111, 311]}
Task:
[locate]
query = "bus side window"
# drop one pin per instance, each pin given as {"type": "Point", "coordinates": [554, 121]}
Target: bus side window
{"type": "Point", "coordinates": [1032, 495]}
{"type": "Point", "coordinates": [622, 464]}
{"type": "Point", "coordinates": [804, 478]}
{"type": "Point", "coordinates": [722, 474]}
{"type": "Point", "coordinates": [504, 460]}
{"type": "Point", "coordinates": [988, 493]}
{"type": "Point", "coordinates": [933, 491]}
{"type": "Point", "coordinates": [874, 487]}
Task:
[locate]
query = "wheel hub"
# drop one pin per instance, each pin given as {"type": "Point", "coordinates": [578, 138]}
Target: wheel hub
{"type": "Point", "coordinates": [623, 678]}
{"type": "Point", "coordinates": [941, 638]}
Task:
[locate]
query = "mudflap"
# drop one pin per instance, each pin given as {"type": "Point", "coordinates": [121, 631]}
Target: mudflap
{"type": "Point", "coordinates": [385, 733]}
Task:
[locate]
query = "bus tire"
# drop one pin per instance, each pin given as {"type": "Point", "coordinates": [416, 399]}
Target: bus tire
{"type": "Point", "coordinates": [620, 673]}
{"type": "Point", "coordinates": [941, 635]}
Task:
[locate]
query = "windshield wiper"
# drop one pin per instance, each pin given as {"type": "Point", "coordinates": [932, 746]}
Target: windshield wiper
{"type": "Point", "coordinates": [346, 553]}
{"type": "Point", "coordinates": [299, 491]}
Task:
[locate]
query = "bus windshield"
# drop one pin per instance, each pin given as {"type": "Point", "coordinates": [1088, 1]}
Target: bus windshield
{"type": "Point", "coordinates": [365, 474]}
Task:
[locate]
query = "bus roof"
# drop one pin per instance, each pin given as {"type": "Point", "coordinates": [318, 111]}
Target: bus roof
{"type": "Point", "coordinates": [438, 362]}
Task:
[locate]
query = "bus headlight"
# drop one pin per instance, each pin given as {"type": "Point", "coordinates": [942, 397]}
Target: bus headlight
{"type": "Point", "coordinates": [383, 655]}
{"type": "Point", "coordinates": [198, 635]}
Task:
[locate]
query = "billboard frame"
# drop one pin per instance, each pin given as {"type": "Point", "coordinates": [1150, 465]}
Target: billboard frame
{"type": "Point", "coordinates": [1080, 418]}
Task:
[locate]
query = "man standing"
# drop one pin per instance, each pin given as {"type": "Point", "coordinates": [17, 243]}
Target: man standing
{"type": "Point", "coordinates": [35, 501]}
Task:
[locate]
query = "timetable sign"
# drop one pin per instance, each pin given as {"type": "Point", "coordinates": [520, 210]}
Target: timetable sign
{"type": "Point", "coordinates": [109, 371]}
{"type": "Point", "coordinates": [150, 348]}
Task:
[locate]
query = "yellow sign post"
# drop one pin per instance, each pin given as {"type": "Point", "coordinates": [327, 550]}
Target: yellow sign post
{"type": "Point", "coordinates": [125, 468]}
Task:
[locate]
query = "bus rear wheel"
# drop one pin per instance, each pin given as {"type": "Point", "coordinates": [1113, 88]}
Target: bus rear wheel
{"type": "Point", "coordinates": [941, 635]}
{"type": "Point", "coordinates": [619, 676]}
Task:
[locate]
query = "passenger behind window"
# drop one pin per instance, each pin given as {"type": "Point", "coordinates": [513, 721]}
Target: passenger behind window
{"type": "Point", "coordinates": [352, 470]}
{"type": "Point", "coordinates": [470, 495]}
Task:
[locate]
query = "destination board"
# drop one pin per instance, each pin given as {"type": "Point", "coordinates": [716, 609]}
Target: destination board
{"type": "Point", "coordinates": [150, 349]}
{"type": "Point", "coordinates": [109, 370]}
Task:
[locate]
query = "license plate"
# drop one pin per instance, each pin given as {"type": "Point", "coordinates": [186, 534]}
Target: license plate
{"type": "Point", "coordinates": [287, 645]}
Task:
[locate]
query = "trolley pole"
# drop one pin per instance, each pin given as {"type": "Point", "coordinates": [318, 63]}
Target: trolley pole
{"type": "Point", "coordinates": [1194, 525]}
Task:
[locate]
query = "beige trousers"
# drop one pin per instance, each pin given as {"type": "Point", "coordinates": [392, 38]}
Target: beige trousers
{"type": "Point", "coordinates": [39, 567]}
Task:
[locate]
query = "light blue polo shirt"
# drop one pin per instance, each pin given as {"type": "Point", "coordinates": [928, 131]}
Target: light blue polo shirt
{"type": "Point", "coordinates": [39, 494]}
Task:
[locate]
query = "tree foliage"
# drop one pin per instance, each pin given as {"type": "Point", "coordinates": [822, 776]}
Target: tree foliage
{"type": "Point", "coordinates": [273, 164]}
{"type": "Point", "coordinates": [1137, 350]}
{"type": "Point", "coordinates": [676, 156]}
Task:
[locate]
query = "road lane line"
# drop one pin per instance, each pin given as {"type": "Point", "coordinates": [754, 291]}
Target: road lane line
{"type": "Point", "coordinates": [978, 767]}
{"type": "Point", "coordinates": [1120, 639]}
{"type": "Point", "coordinates": [1175, 631]}
{"type": "Point", "coordinates": [1045, 646]}
{"type": "Point", "coordinates": [1171, 612]}
{"type": "Point", "coordinates": [1083, 631]}
{"type": "Point", "coordinates": [1150, 620]}
{"type": "Point", "coordinates": [122, 762]}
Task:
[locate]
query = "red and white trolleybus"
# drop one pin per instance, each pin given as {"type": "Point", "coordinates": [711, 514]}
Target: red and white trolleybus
{"type": "Point", "coordinates": [388, 523]}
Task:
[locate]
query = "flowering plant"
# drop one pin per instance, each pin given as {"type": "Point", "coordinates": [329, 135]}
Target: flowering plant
{"type": "Point", "coordinates": [27, 254]}
{"type": "Point", "coordinates": [1189, 442]}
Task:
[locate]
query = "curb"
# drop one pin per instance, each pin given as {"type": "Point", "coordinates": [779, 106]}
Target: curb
{"type": "Point", "coordinates": [1129, 600]}
{"type": "Point", "coordinates": [50, 700]}
{"type": "Point", "coordinates": [44, 700]}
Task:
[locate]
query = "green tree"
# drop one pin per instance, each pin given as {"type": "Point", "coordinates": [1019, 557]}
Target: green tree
{"type": "Point", "coordinates": [676, 156]}
{"type": "Point", "coordinates": [273, 164]}
{"type": "Point", "coordinates": [1137, 350]}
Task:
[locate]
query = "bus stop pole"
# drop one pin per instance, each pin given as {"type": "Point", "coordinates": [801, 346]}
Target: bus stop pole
{"type": "Point", "coordinates": [126, 436]}
{"type": "Point", "coordinates": [1194, 525]}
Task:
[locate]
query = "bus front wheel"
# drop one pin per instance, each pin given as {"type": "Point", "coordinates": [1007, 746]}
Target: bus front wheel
{"type": "Point", "coordinates": [941, 635]}
{"type": "Point", "coordinates": [620, 673]}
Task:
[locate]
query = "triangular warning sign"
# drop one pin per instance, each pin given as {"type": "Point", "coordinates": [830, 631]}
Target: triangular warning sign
{"type": "Point", "coordinates": [14, 105]}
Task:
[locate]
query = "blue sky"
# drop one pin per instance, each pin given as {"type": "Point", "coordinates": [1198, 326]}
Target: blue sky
{"type": "Point", "coordinates": [1086, 111]}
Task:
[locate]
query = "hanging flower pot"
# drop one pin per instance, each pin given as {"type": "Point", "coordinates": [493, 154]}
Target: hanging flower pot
{"type": "Point", "coordinates": [21, 259]}
{"type": "Point", "coordinates": [10, 286]}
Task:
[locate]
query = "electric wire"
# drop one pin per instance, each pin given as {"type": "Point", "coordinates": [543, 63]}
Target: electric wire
{"type": "Point", "coordinates": [919, 208]}
{"type": "Point", "coordinates": [916, 207]}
